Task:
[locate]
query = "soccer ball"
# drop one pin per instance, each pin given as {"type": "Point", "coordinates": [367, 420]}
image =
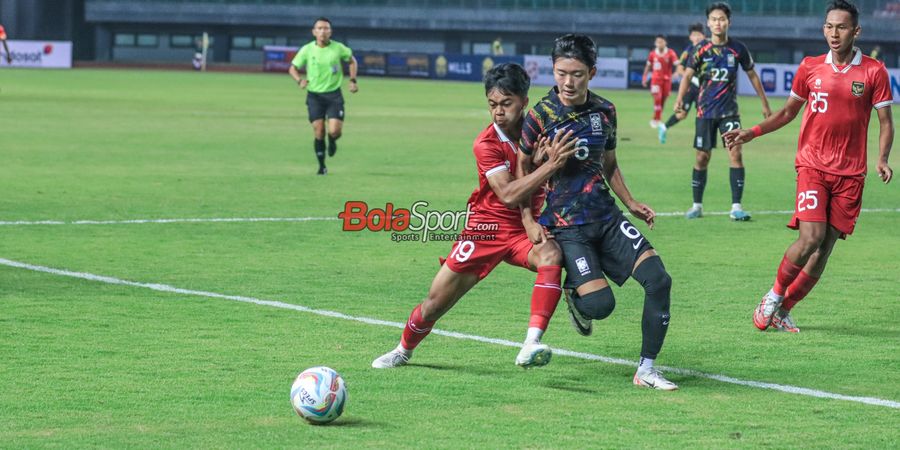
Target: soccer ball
{"type": "Point", "coordinates": [318, 395]}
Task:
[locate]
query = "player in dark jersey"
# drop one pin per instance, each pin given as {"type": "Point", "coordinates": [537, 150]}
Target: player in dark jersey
{"type": "Point", "coordinates": [596, 238]}
{"type": "Point", "coordinates": [695, 36]}
{"type": "Point", "coordinates": [715, 62]}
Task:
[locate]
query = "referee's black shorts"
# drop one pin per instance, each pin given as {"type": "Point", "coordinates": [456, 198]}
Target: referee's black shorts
{"type": "Point", "coordinates": [325, 104]}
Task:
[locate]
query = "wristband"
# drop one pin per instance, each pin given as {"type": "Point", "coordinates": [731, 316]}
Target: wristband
{"type": "Point", "coordinates": [757, 131]}
{"type": "Point", "coordinates": [353, 80]}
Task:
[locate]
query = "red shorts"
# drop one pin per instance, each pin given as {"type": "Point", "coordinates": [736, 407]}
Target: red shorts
{"type": "Point", "coordinates": [661, 89]}
{"type": "Point", "coordinates": [480, 256]}
{"type": "Point", "coordinates": [823, 197]}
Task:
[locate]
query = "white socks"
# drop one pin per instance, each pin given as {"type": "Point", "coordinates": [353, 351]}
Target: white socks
{"type": "Point", "coordinates": [774, 295]}
{"type": "Point", "coordinates": [534, 335]}
{"type": "Point", "coordinates": [736, 207]}
{"type": "Point", "coordinates": [698, 205]}
{"type": "Point", "coordinates": [645, 364]}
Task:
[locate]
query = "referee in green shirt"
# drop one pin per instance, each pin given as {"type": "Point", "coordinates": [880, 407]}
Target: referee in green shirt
{"type": "Point", "coordinates": [324, 75]}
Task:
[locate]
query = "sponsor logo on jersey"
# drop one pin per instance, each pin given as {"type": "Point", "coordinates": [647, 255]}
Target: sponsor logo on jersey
{"type": "Point", "coordinates": [582, 264]}
{"type": "Point", "coordinates": [857, 88]}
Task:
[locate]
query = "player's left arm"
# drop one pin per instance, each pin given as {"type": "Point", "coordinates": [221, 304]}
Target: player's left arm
{"type": "Point", "coordinates": [617, 183]}
{"type": "Point", "coordinates": [747, 64]}
{"type": "Point", "coordinates": [354, 68]}
{"type": "Point", "coordinates": [885, 141]}
{"type": "Point", "coordinates": [760, 92]}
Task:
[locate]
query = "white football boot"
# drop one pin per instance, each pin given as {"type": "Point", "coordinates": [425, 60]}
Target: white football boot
{"type": "Point", "coordinates": [394, 358]}
{"type": "Point", "coordinates": [534, 354]}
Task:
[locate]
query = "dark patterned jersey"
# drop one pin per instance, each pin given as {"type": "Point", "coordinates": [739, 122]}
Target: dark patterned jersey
{"type": "Point", "coordinates": [717, 68]}
{"type": "Point", "coordinates": [578, 193]}
{"type": "Point", "coordinates": [683, 60]}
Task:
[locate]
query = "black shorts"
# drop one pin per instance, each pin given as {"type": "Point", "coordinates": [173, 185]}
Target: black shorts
{"type": "Point", "coordinates": [602, 249]}
{"type": "Point", "coordinates": [325, 104]}
{"type": "Point", "coordinates": [705, 136]}
{"type": "Point", "coordinates": [688, 101]}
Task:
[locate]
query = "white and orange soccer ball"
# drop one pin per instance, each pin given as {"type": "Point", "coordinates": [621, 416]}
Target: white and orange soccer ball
{"type": "Point", "coordinates": [319, 395]}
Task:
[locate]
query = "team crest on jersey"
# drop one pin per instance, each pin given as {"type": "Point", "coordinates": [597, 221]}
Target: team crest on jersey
{"type": "Point", "coordinates": [818, 83]}
{"type": "Point", "coordinates": [596, 122]}
{"type": "Point", "coordinates": [857, 88]}
{"type": "Point", "coordinates": [731, 60]}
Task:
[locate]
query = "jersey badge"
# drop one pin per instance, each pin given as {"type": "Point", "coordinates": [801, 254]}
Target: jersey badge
{"type": "Point", "coordinates": [818, 83]}
{"type": "Point", "coordinates": [596, 122]}
{"type": "Point", "coordinates": [857, 88]}
{"type": "Point", "coordinates": [731, 60]}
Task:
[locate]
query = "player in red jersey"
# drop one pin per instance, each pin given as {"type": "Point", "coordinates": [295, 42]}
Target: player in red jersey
{"type": "Point", "coordinates": [660, 64]}
{"type": "Point", "coordinates": [5, 47]}
{"type": "Point", "coordinates": [841, 88]}
{"type": "Point", "coordinates": [504, 204]}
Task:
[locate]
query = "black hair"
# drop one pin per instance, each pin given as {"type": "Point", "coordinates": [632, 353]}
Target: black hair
{"type": "Point", "coordinates": [661, 36]}
{"type": "Point", "coordinates": [844, 6]}
{"type": "Point", "coordinates": [508, 78]}
{"type": "Point", "coordinates": [576, 46]}
{"type": "Point", "coordinates": [321, 19]}
{"type": "Point", "coordinates": [723, 6]}
{"type": "Point", "coordinates": [698, 27]}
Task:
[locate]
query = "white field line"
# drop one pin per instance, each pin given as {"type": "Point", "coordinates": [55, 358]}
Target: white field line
{"type": "Point", "coordinates": [315, 219]}
{"type": "Point", "coordinates": [588, 356]}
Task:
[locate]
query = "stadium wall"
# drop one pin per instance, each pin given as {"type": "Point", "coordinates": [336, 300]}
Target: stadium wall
{"type": "Point", "coordinates": [774, 39]}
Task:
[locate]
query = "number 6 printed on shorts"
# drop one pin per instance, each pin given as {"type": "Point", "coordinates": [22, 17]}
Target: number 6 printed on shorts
{"type": "Point", "coordinates": [631, 233]}
{"type": "Point", "coordinates": [463, 251]}
{"type": "Point", "coordinates": [807, 200]}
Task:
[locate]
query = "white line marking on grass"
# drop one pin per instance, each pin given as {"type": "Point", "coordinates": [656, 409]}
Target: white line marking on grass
{"type": "Point", "coordinates": [315, 219]}
{"type": "Point", "coordinates": [588, 356]}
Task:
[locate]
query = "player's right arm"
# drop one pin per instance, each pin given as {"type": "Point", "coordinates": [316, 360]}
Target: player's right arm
{"type": "Point", "coordinates": [683, 88]}
{"type": "Point", "coordinates": [296, 64]}
{"type": "Point", "coordinates": [777, 120]}
{"type": "Point", "coordinates": [515, 192]}
{"type": "Point", "coordinates": [646, 71]}
{"type": "Point", "coordinates": [793, 105]}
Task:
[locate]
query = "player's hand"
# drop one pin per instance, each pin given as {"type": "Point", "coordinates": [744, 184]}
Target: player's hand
{"type": "Point", "coordinates": [679, 106]}
{"type": "Point", "coordinates": [884, 171]}
{"type": "Point", "coordinates": [353, 87]}
{"type": "Point", "coordinates": [536, 233]}
{"type": "Point", "coordinates": [644, 82]}
{"type": "Point", "coordinates": [737, 137]}
{"type": "Point", "coordinates": [303, 83]}
{"type": "Point", "coordinates": [643, 212]}
{"type": "Point", "coordinates": [766, 111]}
{"type": "Point", "coordinates": [561, 148]}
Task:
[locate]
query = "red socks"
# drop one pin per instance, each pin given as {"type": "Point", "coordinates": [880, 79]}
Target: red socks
{"type": "Point", "coordinates": [798, 290]}
{"type": "Point", "coordinates": [416, 329]}
{"type": "Point", "coordinates": [787, 272]}
{"type": "Point", "coordinates": [545, 296]}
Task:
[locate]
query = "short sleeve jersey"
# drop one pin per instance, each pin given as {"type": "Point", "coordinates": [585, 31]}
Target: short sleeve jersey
{"type": "Point", "coordinates": [717, 68]}
{"type": "Point", "coordinates": [577, 194]}
{"type": "Point", "coordinates": [836, 117]}
{"type": "Point", "coordinates": [683, 60]}
{"type": "Point", "coordinates": [661, 65]}
{"type": "Point", "coordinates": [496, 153]}
{"type": "Point", "coordinates": [323, 65]}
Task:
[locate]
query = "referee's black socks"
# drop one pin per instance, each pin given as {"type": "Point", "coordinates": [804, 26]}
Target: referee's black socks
{"type": "Point", "coordinates": [320, 152]}
{"type": "Point", "coordinates": [332, 145]}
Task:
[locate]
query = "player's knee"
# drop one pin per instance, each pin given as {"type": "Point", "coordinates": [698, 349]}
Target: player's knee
{"type": "Point", "coordinates": [652, 275]}
{"type": "Point", "coordinates": [811, 241]}
{"type": "Point", "coordinates": [702, 159]}
{"type": "Point", "coordinates": [597, 305]}
{"type": "Point", "coordinates": [334, 134]}
{"type": "Point", "coordinates": [550, 255]}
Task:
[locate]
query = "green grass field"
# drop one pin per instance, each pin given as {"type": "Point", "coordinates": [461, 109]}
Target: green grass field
{"type": "Point", "coordinates": [91, 364]}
